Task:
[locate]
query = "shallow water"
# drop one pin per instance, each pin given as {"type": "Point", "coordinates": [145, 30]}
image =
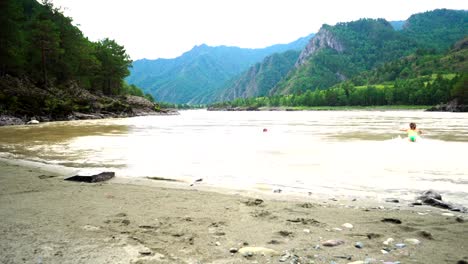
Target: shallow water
{"type": "Point", "coordinates": [356, 153]}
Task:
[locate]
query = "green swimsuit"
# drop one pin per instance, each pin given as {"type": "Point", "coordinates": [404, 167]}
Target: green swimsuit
{"type": "Point", "coordinates": [412, 134]}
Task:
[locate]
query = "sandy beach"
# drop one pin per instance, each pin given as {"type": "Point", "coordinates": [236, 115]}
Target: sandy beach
{"type": "Point", "coordinates": [45, 219]}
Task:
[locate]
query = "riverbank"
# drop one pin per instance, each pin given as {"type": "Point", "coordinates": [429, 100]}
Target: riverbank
{"type": "Point", "coordinates": [23, 102]}
{"type": "Point", "coordinates": [323, 108]}
{"type": "Point", "coordinates": [48, 220]}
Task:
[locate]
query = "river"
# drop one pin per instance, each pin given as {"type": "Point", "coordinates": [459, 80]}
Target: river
{"type": "Point", "coordinates": [342, 153]}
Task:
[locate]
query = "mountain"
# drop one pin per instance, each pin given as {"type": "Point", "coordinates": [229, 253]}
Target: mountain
{"type": "Point", "coordinates": [258, 79]}
{"type": "Point", "coordinates": [425, 77]}
{"type": "Point", "coordinates": [337, 53]}
{"type": "Point", "coordinates": [197, 73]}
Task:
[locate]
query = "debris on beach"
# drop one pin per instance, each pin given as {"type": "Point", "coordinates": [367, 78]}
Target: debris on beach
{"type": "Point", "coordinates": [392, 200]}
{"type": "Point", "coordinates": [197, 180]}
{"type": "Point", "coordinates": [392, 220]}
{"type": "Point", "coordinates": [253, 202]}
{"type": "Point", "coordinates": [432, 198]}
{"type": "Point", "coordinates": [103, 176]}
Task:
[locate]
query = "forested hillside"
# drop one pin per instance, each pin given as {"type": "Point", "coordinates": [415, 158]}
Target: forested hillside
{"type": "Point", "coordinates": [422, 78]}
{"type": "Point", "coordinates": [370, 52]}
{"type": "Point", "coordinates": [49, 69]}
{"type": "Point", "coordinates": [196, 75]}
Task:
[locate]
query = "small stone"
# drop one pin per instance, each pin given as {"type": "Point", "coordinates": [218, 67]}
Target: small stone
{"type": "Point", "coordinates": [337, 229]}
{"type": "Point", "coordinates": [33, 122]}
{"type": "Point", "coordinates": [384, 251]}
{"type": "Point", "coordinates": [392, 200]}
{"type": "Point", "coordinates": [218, 243]}
{"type": "Point", "coordinates": [460, 219]}
{"type": "Point", "coordinates": [333, 243]}
{"type": "Point", "coordinates": [253, 202]}
{"type": "Point", "coordinates": [448, 214]}
{"type": "Point", "coordinates": [400, 245]}
{"type": "Point", "coordinates": [90, 228]}
{"type": "Point", "coordinates": [358, 245]}
{"type": "Point", "coordinates": [426, 235]}
{"type": "Point", "coordinates": [233, 250]}
{"type": "Point", "coordinates": [285, 233]}
{"type": "Point", "coordinates": [306, 231]}
{"type": "Point", "coordinates": [357, 262]}
{"type": "Point", "coordinates": [145, 251]}
{"type": "Point", "coordinates": [392, 220]}
{"type": "Point", "coordinates": [285, 257]}
{"type": "Point", "coordinates": [422, 213]}
{"type": "Point", "coordinates": [412, 241]}
{"type": "Point", "coordinates": [347, 225]}
{"type": "Point", "coordinates": [250, 251]}
{"type": "Point", "coordinates": [388, 241]}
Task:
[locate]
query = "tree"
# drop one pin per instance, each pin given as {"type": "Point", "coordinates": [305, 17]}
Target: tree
{"type": "Point", "coordinates": [11, 38]}
{"type": "Point", "coordinates": [114, 66]}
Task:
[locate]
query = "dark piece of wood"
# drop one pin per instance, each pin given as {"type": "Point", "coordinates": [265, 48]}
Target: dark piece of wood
{"type": "Point", "coordinates": [103, 176]}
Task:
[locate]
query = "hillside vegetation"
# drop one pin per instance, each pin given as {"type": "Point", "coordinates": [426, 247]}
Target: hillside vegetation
{"type": "Point", "coordinates": [49, 69]}
{"type": "Point", "coordinates": [368, 62]}
{"type": "Point", "coordinates": [421, 78]}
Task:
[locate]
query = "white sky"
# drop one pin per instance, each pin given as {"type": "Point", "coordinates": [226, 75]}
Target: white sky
{"type": "Point", "coordinates": [166, 28]}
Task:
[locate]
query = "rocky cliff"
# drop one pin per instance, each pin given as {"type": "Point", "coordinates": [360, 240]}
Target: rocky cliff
{"type": "Point", "coordinates": [323, 39]}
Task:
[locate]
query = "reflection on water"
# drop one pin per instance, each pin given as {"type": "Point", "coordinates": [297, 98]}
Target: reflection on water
{"type": "Point", "coordinates": [360, 153]}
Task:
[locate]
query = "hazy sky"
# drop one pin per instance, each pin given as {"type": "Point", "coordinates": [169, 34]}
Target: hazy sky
{"type": "Point", "coordinates": [166, 28]}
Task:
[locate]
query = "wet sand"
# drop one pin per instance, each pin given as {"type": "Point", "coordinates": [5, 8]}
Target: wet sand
{"type": "Point", "coordinates": [45, 219]}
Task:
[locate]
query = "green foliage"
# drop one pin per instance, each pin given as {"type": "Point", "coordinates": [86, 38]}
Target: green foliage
{"type": "Point", "coordinates": [378, 65]}
{"type": "Point", "coordinates": [55, 50]}
{"type": "Point", "coordinates": [437, 29]}
{"type": "Point", "coordinates": [40, 47]}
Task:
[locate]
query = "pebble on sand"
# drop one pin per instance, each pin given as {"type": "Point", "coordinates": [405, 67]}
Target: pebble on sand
{"type": "Point", "coordinates": [388, 241]}
{"type": "Point", "coordinates": [347, 225]}
{"type": "Point", "coordinates": [258, 250]}
{"type": "Point", "coordinates": [333, 243]}
{"type": "Point", "coordinates": [412, 241]}
{"type": "Point", "coordinates": [359, 245]}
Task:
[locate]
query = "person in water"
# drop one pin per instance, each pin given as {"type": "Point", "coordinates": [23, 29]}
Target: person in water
{"type": "Point", "coordinates": [413, 132]}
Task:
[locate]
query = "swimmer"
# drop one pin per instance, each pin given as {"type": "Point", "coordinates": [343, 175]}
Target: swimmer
{"type": "Point", "coordinates": [413, 132]}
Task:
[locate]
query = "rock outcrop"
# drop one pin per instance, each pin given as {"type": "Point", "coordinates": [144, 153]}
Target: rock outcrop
{"type": "Point", "coordinates": [452, 106]}
{"type": "Point", "coordinates": [22, 101]}
{"type": "Point", "coordinates": [323, 39]}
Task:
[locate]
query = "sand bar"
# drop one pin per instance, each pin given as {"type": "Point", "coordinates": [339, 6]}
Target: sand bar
{"type": "Point", "coordinates": [45, 219]}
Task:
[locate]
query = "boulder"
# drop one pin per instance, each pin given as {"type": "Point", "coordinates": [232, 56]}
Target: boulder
{"type": "Point", "coordinates": [433, 198]}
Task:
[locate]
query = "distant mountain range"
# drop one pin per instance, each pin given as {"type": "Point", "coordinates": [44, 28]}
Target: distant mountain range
{"type": "Point", "coordinates": [335, 54]}
{"type": "Point", "coordinates": [198, 73]}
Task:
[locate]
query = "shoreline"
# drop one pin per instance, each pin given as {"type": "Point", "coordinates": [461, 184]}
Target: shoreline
{"type": "Point", "coordinates": [12, 120]}
{"type": "Point", "coordinates": [48, 220]}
